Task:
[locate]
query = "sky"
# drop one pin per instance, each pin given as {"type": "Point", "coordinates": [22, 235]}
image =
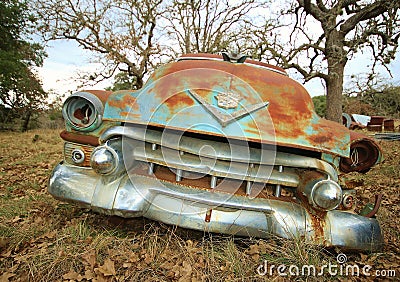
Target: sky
{"type": "Point", "coordinates": [65, 59]}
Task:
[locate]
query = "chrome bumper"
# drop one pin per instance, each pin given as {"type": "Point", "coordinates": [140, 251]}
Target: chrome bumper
{"type": "Point", "coordinates": [206, 210]}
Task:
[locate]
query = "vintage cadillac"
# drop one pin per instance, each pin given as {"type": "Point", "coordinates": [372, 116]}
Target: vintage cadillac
{"type": "Point", "coordinates": [218, 143]}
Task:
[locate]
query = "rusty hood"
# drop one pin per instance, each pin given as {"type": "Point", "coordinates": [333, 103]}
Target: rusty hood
{"type": "Point", "coordinates": [250, 100]}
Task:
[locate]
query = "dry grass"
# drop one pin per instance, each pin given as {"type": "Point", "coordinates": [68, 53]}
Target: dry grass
{"type": "Point", "coordinates": [42, 239]}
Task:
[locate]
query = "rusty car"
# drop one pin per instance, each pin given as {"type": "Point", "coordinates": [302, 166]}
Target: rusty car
{"type": "Point", "coordinates": [218, 143]}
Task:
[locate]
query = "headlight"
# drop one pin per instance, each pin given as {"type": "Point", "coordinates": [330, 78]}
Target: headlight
{"type": "Point", "coordinates": [326, 195]}
{"type": "Point", "coordinates": [104, 160]}
{"type": "Point", "coordinates": [83, 111]}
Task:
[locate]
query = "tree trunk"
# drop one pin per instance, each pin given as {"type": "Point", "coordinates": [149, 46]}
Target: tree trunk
{"type": "Point", "coordinates": [26, 120]}
{"type": "Point", "coordinates": [334, 87]}
{"type": "Point", "coordinates": [336, 57]}
{"type": "Point", "coordinates": [139, 82]}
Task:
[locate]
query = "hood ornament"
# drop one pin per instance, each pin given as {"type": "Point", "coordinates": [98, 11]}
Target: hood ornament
{"type": "Point", "coordinates": [228, 100]}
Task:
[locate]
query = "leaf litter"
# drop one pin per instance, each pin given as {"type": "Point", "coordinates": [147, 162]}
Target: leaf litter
{"type": "Point", "coordinates": [42, 239]}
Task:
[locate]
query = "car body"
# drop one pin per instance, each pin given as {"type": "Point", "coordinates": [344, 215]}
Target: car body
{"type": "Point", "coordinates": [220, 144]}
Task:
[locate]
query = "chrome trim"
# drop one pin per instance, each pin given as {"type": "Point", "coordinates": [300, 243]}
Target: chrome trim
{"type": "Point", "coordinates": [312, 195]}
{"type": "Point", "coordinates": [267, 68]}
{"type": "Point", "coordinates": [136, 195]}
{"type": "Point", "coordinates": [221, 60]}
{"type": "Point", "coordinates": [225, 119]}
{"type": "Point", "coordinates": [69, 147]}
{"type": "Point", "coordinates": [223, 151]}
{"type": "Point", "coordinates": [213, 183]}
{"type": "Point", "coordinates": [114, 159]}
{"type": "Point", "coordinates": [151, 168]}
{"type": "Point", "coordinates": [199, 58]}
{"type": "Point", "coordinates": [219, 168]}
{"type": "Point", "coordinates": [278, 189]}
{"type": "Point", "coordinates": [97, 105]}
{"type": "Point", "coordinates": [75, 159]}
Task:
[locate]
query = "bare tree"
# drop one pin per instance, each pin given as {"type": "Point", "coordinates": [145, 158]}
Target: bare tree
{"type": "Point", "coordinates": [325, 36]}
{"type": "Point", "coordinates": [210, 26]}
{"type": "Point", "coordinates": [136, 35]}
{"type": "Point", "coordinates": [120, 33]}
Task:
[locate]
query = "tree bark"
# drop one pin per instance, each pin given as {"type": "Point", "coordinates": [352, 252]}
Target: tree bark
{"type": "Point", "coordinates": [139, 82]}
{"type": "Point", "coordinates": [334, 86]}
{"type": "Point", "coordinates": [337, 59]}
{"type": "Point", "coordinates": [26, 120]}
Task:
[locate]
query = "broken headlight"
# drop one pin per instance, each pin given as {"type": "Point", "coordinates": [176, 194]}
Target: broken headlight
{"type": "Point", "coordinates": [83, 111]}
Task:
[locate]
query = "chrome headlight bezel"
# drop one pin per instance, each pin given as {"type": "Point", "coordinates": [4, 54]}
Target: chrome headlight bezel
{"type": "Point", "coordinates": [83, 111]}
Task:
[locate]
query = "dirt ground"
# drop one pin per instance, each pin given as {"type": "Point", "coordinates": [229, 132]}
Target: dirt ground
{"type": "Point", "coordinates": [42, 239]}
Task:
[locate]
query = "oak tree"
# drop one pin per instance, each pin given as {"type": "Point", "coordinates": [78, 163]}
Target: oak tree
{"type": "Point", "coordinates": [326, 34]}
{"type": "Point", "coordinates": [135, 36]}
{"type": "Point", "coordinates": [120, 34]}
{"type": "Point", "coordinates": [211, 26]}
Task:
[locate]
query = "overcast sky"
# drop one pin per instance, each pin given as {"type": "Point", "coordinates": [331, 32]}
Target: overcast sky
{"type": "Point", "coordinates": [66, 59]}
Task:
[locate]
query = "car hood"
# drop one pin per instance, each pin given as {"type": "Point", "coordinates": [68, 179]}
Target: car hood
{"type": "Point", "coordinates": [235, 100]}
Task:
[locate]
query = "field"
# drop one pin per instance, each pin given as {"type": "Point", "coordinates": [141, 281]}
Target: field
{"type": "Point", "coordinates": [42, 239]}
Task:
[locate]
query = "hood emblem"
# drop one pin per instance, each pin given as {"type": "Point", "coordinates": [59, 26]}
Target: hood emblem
{"type": "Point", "coordinates": [228, 100]}
{"type": "Point", "coordinates": [225, 118]}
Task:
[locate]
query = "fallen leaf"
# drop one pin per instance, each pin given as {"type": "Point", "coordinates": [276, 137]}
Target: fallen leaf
{"type": "Point", "coordinates": [72, 275]}
{"type": "Point", "coordinates": [148, 259]}
{"type": "Point", "coordinates": [108, 268]}
{"type": "Point", "coordinates": [186, 269]}
{"type": "Point", "coordinates": [100, 278]}
{"type": "Point", "coordinates": [89, 275]}
{"type": "Point", "coordinates": [134, 257]}
{"type": "Point", "coordinates": [3, 242]}
{"type": "Point", "coordinates": [51, 235]}
{"type": "Point", "coordinates": [90, 258]}
{"type": "Point", "coordinates": [170, 274]}
{"type": "Point", "coordinates": [167, 265]}
{"type": "Point", "coordinates": [254, 249]}
{"type": "Point", "coordinates": [127, 265]}
{"type": "Point", "coordinates": [16, 219]}
{"type": "Point", "coordinates": [6, 276]}
{"type": "Point", "coordinates": [6, 255]}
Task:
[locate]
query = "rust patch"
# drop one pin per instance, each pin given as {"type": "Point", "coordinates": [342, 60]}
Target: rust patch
{"type": "Point", "coordinates": [126, 101]}
{"type": "Point", "coordinates": [318, 139]}
{"type": "Point", "coordinates": [87, 150]}
{"type": "Point", "coordinates": [317, 216]}
{"type": "Point", "coordinates": [101, 94]}
{"type": "Point", "coordinates": [327, 133]}
{"type": "Point", "coordinates": [78, 138]}
{"type": "Point", "coordinates": [318, 223]}
{"type": "Point", "coordinates": [208, 216]}
{"type": "Point", "coordinates": [365, 153]}
{"type": "Point", "coordinates": [203, 183]}
{"type": "Point", "coordinates": [130, 115]}
{"type": "Point", "coordinates": [179, 101]}
{"type": "Point", "coordinates": [80, 113]}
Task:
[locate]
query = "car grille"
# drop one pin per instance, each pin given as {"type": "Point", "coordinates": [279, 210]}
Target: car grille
{"type": "Point", "coordinates": [201, 161]}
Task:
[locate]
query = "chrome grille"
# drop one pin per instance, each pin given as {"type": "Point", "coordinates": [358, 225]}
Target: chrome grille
{"type": "Point", "coordinates": [215, 159]}
{"type": "Point", "coordinates": [69, 147]}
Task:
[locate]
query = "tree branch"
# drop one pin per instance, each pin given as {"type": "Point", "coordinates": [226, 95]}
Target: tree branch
{"type": "Point", "coordinates": [368, 12]}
